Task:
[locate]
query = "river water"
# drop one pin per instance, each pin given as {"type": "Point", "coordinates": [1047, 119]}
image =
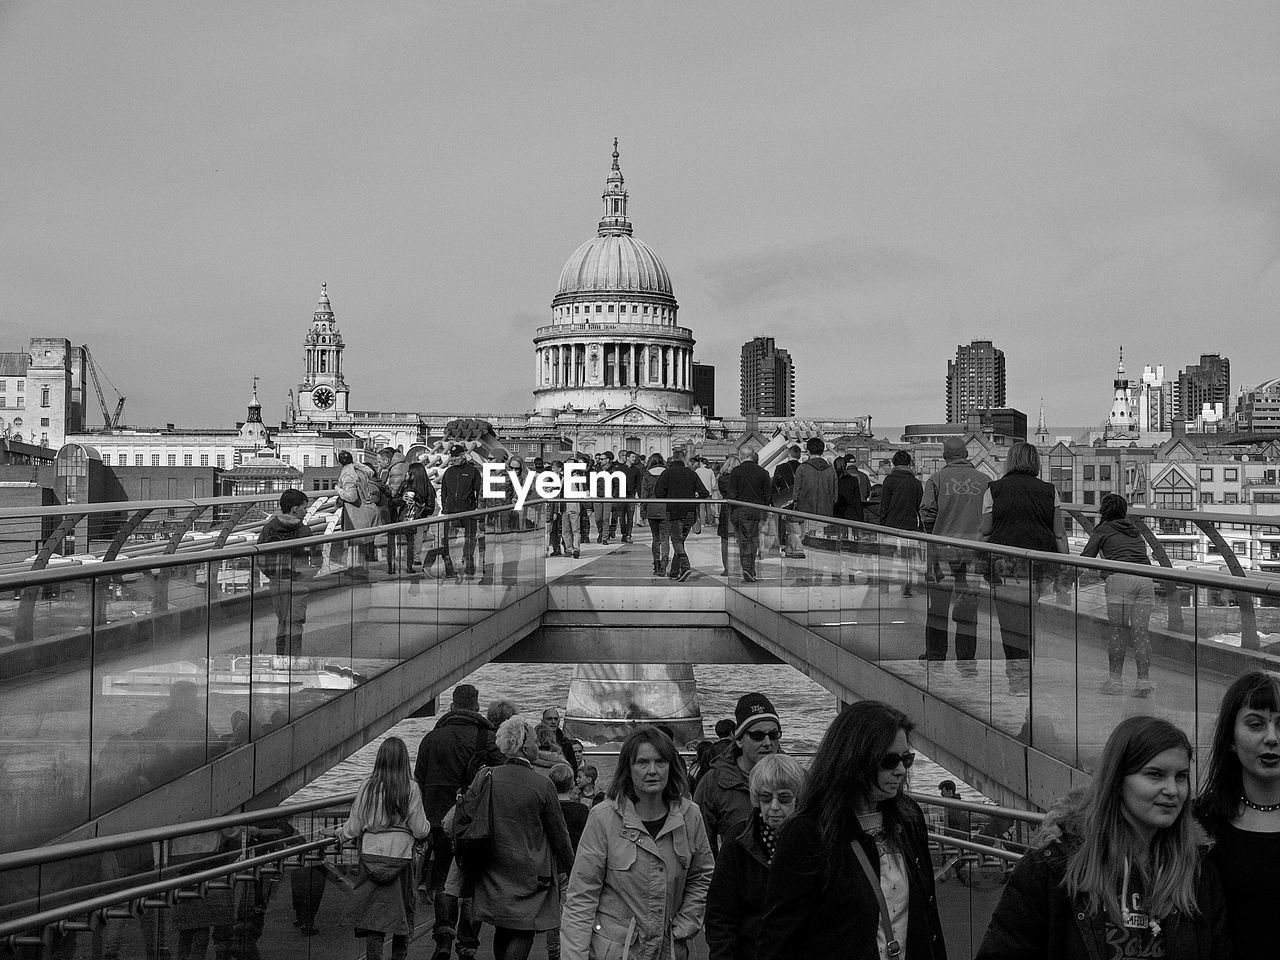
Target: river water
{"type": "Point", "coordinates": [804, 707]}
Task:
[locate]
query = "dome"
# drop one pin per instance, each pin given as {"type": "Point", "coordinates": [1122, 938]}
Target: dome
{"type": "Point", "coordinates": [614, 263]}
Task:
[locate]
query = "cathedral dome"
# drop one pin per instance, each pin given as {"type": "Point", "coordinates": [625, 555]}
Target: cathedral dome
{"type": "Point", "coordinates": [614, 263]}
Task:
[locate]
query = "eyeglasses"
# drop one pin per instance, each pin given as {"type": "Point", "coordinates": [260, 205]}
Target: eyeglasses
{"type": "Point", "coordinates": [758, 736]}
{"type": "Point", "coordinates": [890, 761]}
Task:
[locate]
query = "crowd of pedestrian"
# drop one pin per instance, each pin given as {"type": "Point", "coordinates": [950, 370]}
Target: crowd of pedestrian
{"type": "Point", "coordinates": [770, 861]}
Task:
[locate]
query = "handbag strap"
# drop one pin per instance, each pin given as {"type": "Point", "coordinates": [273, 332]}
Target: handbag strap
{"type": "Point", "coordinates": [892, 947]}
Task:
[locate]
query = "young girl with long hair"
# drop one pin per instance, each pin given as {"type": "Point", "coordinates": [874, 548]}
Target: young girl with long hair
{"type": "Point", "coordinates": [851, 875]}
{"type": "Point", "coordinates": [1240, 806]}
{"type": "Point", "coordinates": [386, 820]}
{"type": "Point", "coordinates": [1117, 871]}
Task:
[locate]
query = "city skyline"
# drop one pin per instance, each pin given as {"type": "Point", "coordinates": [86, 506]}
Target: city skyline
{"type": "Point", "coordinates": [896, 182]}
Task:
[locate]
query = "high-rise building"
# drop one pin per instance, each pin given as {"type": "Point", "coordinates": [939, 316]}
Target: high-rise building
{"type": "Point", "coordinates": [768, 380]}
{"type": "Point", "coordinates": [1206, 382]}
{"type": "Point", "coordinates": [1258, 410]}
{"type": "Point", "coordinates": [704, 388]}
{"type": "Point", "coordinates": [975, 380]}
{"type": "Point", "coordinates": [1156, 400]}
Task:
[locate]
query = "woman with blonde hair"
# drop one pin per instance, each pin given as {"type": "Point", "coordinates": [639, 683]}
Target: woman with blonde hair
{"type": "Point", "coordinates": [1117, 871]}
{"type": "Point", "coordinates": [386, 820]}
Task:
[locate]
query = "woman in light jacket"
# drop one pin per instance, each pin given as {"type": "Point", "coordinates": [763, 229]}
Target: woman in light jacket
{"type": "Point", "coordinates": [639, 884]}
{"type": "Point", "coordinates": [386, 818]}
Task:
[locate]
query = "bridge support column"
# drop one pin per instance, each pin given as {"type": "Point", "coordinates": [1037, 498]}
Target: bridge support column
{"type": "Point", "coordinates": [609, 700]}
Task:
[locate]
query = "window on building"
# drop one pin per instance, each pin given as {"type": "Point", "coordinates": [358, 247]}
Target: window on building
{"type": "Point", "coordinates": [155, 459]}
{"type": "Point", "coordinates": [599, 308]}
{"type": "Point", "coordinates": [137, 459]}
{"type": "Point", "coordinates": [204, 459]}
{"type": "Point", "coordinates": [1104, 472]}
{"type": "Point", "coordinates": [1089, 497]}
{"type": "Point", "coordinates": [611, 308]}
{"type": "Point", "coordinates": [284, 458]}
{"type": "Point", "coordinates": [1231, 498]}
{"type": "Point", "coordinates": [4, 385]}
{"type": "Point", "coordinates": [1231, 473]}
{"type": "Point", "coordinates": [324, 459]}
{"type": "Point", "coordinates": [187, 459]}
{"type": "Point", "coordinates": [44, 439]}
{"type": "Point", "coordinates": [4, 402]}
{"type": "Point", "coordinates": [1206, 474]}
{"type": "Point", "coordinates": [222, 462]}
{"type": "Point", "coordinates": [22, 385]}
{"type": "Point", "coordinates": [1206, 498]}
{"type": "Point", "coordinates": [106, 459]}
{"type": "Point", "coordinates": [306, 460]}
{"type": "Point", "coordinates": [144, 488]}
{"type": "Point", "coordinates": [1088, 471]}
{"type": "Point", "coordinates": [171, 460]}
{"type": "Point", "coordinates": [44, 396]}
{"type": "Point", "coordinates": [44, 421]}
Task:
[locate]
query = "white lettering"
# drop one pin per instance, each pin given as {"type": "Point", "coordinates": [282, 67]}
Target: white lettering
{"type": "Point", "coordinates": [605, 482]}
{"type": "Point", "coordinates": [522, 489]}
{"type": "Point", "coordinates": [493, 485]}
{"type": "Point", "coordinates": [548, 485]}
{"type": "Point", "coordinates": [575, 481]}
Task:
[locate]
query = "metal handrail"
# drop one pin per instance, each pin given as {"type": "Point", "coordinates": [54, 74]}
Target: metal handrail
{"type": "Point", "coordinates": [55, 852]}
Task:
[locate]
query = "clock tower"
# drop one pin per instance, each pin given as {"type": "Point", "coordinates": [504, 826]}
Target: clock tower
{"type": "Point", "coordinates": [322, 395]}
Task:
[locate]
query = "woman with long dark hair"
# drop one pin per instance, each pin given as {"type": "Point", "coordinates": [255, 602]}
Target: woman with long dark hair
{"type": "Point", "coordinates": [1020, 510]}
{"type": "Point", "coordinates": [1117, 871]}
{"type": "Point", "coordinates": [655, 513]}
{"type": "Point", "coordinates": [1240, 806]}
{"type": "Point", "coordinates": [725, 489]}
{"type": "Point", "coordinates": [1129, 597]}
{"type": "Point", "coordinates": [417, 500]}
{"type": "Point", "coordinates": [386, 820]}
{"type": "Point", "coordinates": [639, 884]}
{"type": "Point", "coordinates": [851, 875]}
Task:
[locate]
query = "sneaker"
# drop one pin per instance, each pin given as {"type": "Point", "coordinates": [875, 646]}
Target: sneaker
{"type": "Point", "coordinates": [576, 553]}
{"type": "Point", "coordinates": [1111, 687]}
{"type": "Point", "coordinates": [1146, 686]}
{"type": "Point", "coordinates": [748, 577]}
{"type": "Point", "coordinates": [685, 573]}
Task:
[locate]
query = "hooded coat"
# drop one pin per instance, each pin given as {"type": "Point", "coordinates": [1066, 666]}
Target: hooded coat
{"type": "Point", "coordinates": [735, 902]}
{"type": "Point", "coordinates": [631, 894]}
{"type": "Point", "coordinates": [724, 797]}
{"type": "Point", "coordinates": [445, 758]}
{"type": "Point", "coordinates": [815, 488]}
{"type": "Point", "coordinates": [1037, 919]}
{"type": "Point", "coordinates": [648, 484]}
{"type": "Point", "coordinates": [1117, 540]}
{"type": "Point", "coordinates": [900, 497]}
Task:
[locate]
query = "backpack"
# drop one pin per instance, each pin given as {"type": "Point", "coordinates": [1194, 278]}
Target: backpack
{"type": "Point", "coordinates": [473, 827]}
{"type": "Point", "coordinates": [371, 491]}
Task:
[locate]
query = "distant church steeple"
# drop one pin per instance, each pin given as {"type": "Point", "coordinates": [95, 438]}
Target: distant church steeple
{"type": "Point", "coordinates": [1123, 418]}
{"type": "Point", "coordinates": [614, 222]}
{"type": "Point", "coordinates": [1042, 431]}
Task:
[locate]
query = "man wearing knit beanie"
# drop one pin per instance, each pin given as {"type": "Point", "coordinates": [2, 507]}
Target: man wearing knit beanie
{"type": "Point", "coordinates": [723, 794]}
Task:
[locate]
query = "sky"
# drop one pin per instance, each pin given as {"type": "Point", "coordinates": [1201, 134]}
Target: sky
{"type": "Point", "coordinates": [871, 184]}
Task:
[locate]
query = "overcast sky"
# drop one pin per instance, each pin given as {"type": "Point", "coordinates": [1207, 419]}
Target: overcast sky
{"type": "Point", "coordinates": [870, 183]}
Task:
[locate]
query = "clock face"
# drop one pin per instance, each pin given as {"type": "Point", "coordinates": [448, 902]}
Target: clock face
{"type": "Point", "coordinates": [322, 397]}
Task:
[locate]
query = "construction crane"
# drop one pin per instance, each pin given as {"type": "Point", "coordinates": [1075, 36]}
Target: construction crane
{"type": "Point", "coordinates": [111, 421]}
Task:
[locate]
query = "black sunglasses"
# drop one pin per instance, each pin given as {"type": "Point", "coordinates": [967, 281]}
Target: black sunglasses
{"type": "Point", "coordinates": [890, 761]}
{"type": "Point", "coordinates": [757, 736]}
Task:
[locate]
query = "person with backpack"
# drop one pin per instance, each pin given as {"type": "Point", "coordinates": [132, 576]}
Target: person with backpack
{"type": "Point", "coordinates": [359, 492]}
{"type": "Point", "coordinates": [655, 514]}
{"type": "Point", "coordinates": [784, 478]}
{"type": "Point", "coordinates": [449, 757]}
{"type": "Point", "coordinates": [285, 581]}
{"type": "Point", "coordinates": [386, 821]}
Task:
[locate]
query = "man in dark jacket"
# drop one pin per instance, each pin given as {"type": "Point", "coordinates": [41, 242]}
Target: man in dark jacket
{"type": "Point", "coordinates": [460, 489]}
{"type": "Point", "coordinates": [724, 794]}
{"type": "Point", "coordinates": [461, 741]}
{"type": "Point", "coordinates": [749, 482]}
{"type": "Point", "coordinates": [952, 507]}
{"type": "Point", "coordinates": [678, 482]}
{"type": "Point", "coordinates": [285, 581]}
{"type": "Point", "coordinates": [900, 497]}
{"type": "Point", "coordinates": [814, 492]}
{"type": "Point", "coordinates": [635, 476]}
{"type": "Point", "coordinates": [780, 495]}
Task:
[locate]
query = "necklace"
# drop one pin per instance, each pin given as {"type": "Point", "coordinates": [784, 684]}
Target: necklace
{"type": "Point", "coordinates": [1260, 807]}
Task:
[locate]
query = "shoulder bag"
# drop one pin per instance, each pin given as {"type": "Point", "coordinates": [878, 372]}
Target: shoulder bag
{"type": "Point", "coordinates": [473, 828]}
{"type": "Point", "coordinates": [384, 854]}
{"type": "Point", "coordinates": [892, 947]}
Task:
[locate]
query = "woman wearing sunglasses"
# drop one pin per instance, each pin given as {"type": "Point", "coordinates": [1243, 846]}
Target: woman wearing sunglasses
{"type": "Point", "coordinates": [851, 876]}
{"type": "Point", "coordinates": [1117, 871]}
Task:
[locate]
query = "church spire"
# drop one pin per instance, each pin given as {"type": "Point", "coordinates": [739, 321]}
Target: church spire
{"type": "Point", "coordinates": [615, 222]}
{"type": "Point", "coordinates": [1040, 427]}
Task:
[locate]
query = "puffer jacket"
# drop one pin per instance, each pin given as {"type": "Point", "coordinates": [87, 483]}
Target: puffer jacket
{"type": "Point", "coordinates": [1036, 919]}
{"type": "Point", "coordinates": [630, 894]}
{"type": "Point", "coordinates": [724, 798]}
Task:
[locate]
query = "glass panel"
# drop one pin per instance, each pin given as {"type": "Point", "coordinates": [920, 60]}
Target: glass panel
{"type": "Point", "coordinates": [1014, 593]}
{"type": "Point", "coordinates": [46, 650]}
{"type": "Point", "coordinates": [1051, 722]}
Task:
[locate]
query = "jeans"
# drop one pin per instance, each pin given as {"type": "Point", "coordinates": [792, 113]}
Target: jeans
{"type": "Point", "coordinates": [956, 600]}
{"type": "Point", "coordinates": [289, 600]}
{"type": "Point", "coordinates": [677, 528]}
{"type": "Point", "coordinates": [747, 529]}
{"type": "Point", "coordinates": [468, 528]}
{"type": "Point", "coordinates": [604, 519]}
{"type": "Point", "coordinates": [1129, 603]}
{"type": "Point", "coordinates": [661, 547]}
{"type": "Point", "coordinates": [512, 944]}
{"type": "Point", "coordinates": [399, 946]}
{"type": "Point", "coordinates": [569, 529]}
